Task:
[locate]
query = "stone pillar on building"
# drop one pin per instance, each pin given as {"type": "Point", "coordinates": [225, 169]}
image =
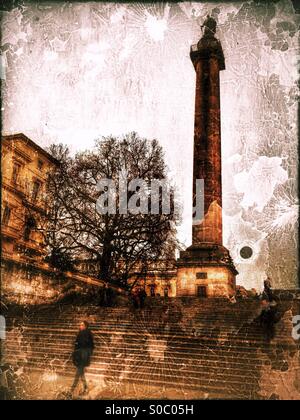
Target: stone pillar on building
{"type": "Point", "coordinates": [206, 266]}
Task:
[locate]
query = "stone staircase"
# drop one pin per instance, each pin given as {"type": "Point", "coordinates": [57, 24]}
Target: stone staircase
{"type": "Point", "coordinates": [185, 348]}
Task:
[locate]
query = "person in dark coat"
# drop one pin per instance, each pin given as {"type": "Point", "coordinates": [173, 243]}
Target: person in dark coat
{"type": "Point", "coordinates": [142, 297]}
{"type": "Point", "coordinates": [269, 314]}
{"type": "Point", "coordinates": [135, 298]}
{"type": "Point", "coordinates": [268, 319]}
{"type": "Point", "coordinates": [110, 296]}
{"type": "Point", "coordinates": [268, 293]}
{"type": "Point", "coordinates": [84, 347]}
{"type": "Point", "coordinates": [152, 289]}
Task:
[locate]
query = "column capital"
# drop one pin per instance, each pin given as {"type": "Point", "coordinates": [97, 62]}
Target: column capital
{"type": "Point", "coordinates": [208, 47]}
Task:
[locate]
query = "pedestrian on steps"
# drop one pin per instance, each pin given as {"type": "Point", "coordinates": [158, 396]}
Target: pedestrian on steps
{"type": "Point", "coordinates": [142, 297]}
{"type": "Point", "coordinates": [84, 347]}
{"type": "Point", "coordinates": [152, 289]}
{"type": "Point", "coordinates": [269, 314]}
{"type": "Point", "coordinates": [268, 293]}
{"type": "Point", "coordinates": [135, 297]}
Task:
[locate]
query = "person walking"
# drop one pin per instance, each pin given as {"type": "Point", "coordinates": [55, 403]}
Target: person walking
{"type": "Point", "coordinates": [134, 297]}
{"type": "Point", "coordinates": [268, 293]}
{"type": "Point", "coordinates": [152, 289]}
{"type": "Point", "coordinates": [269, 314]}
{"type": "Point", "coordinates": [83, 350]}
{"type": "Point", "coordinates": [142, 297]}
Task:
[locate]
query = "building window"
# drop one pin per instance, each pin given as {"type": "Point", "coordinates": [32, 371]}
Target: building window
{"type": "Point", "coordinates": [202, 291]}
{"type": "Point", "coordinates": [30, 224]}
{"type": "Point", "coordinates": [40, 164]}
{"type": "Point", "coordinates": [201, 275]}
{"type": "Point", "coordinates": [15, 172]}
{"type": "Point", "coordinates": [35, 190]}
{"type": "Point", "coordinates": [6, 215]}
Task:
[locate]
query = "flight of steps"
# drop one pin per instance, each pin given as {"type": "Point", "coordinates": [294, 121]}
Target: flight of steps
{"type": "Point", "coordinates": [205, 348]}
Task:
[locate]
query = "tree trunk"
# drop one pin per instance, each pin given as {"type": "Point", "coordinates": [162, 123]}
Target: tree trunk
{"type": "Point", "coordinates": [105, 264]}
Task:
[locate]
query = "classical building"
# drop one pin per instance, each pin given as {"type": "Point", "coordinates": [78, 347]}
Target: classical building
{"type": "Point", "coordinates": [25, 276]}
{"type": "Point", "coordinates": [25, 167]}
{"type": "Point", "coordinates": [158, 279]}
{"type": "Point", "coordinates": [206, 268]}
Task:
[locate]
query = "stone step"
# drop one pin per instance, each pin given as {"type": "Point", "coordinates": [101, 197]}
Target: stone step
{"type": "Point", "coordinates": [248, 356]}
{"type": "Point", "coordinates": [215, 354]}
{"type": "Point", "coordinates": [144, 312]}
{"type": "Point", "coordinates": [233, 365]}
{"type": "Point", "coordinates": [146, 364]}
{"type": "Point", "coordinates": [204, 308]}
{"type": "Point", "coordinates": [127, 320]}
{"type": "Point", "coordinates": [255, 332]}
{"type": "Point", "coordinates": [182, 350]}
{"type": "Point", "coordinates": [72, 309]}
{"type": "Point", "coordinates": [235, 338]}
{"type": "Point", "coordinates": [211, 349]}
{"type": "Point", "coordinates": [151, 374]}
{"type": "Point", "coordinates": [171, 357]}
{"type": "Point", "coordinates": [195, 333]}
{"type": "Point", "coordinates": [207, 390]}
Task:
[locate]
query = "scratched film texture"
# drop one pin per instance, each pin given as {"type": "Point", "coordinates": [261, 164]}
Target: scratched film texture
{"type": "Point", "coordinates": [75, 71]}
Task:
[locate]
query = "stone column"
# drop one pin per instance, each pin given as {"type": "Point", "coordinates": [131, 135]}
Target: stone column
{"type": "Point", "coordinates": [207, 150]}
{"type": "Point", "coordinates": [205, 267]}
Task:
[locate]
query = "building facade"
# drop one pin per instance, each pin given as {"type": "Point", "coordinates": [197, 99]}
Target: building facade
{"type": "Point", "coordinates": [25, 167]}
{"type": "Point", "coordinates": [25, 277]}
{"type": "Point", "coordinates": [159, 279]}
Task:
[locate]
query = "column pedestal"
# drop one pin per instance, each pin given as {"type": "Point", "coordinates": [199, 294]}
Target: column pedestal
{"type": "Point", "coordinates": [205, 270]}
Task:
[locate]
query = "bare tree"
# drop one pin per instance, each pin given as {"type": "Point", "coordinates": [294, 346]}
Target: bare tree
{"type": "Point", "coordinates": [117, 243]}
{"type": "Point", "coordinates": [54, 225]}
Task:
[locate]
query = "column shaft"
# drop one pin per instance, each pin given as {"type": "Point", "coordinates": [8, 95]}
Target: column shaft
{"type": "Point", "coordinates": [207, 150]}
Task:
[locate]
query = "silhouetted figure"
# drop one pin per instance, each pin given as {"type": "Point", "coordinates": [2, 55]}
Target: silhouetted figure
{"type": "Point", "coordinates": [10, 383]}
{"type": "Point", "coordinates": [84, 347]}
{"type": "Point", "coordinates": [135, 298]}
{"type": "Point", "coordinates": [238, 295]}
{"type": "Point", "coordinates": [268, 319]}
{"type": "Point", "coordinates": [110, 296]}
{"type": "Point", "coordinates": [142, 297]}
{"type": "Point", "coordinates": [106, 296]}
{"type": "Point", "coordinates": [269, 314]}
{"type": "Point", "coordinates": [101, 296]}
{"type": "Point", "coordinates": [267, 293]}
{"type": "Point", "coordinates": [152, 290]}
{"type": "Point", "coordinates": [166, 292]}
